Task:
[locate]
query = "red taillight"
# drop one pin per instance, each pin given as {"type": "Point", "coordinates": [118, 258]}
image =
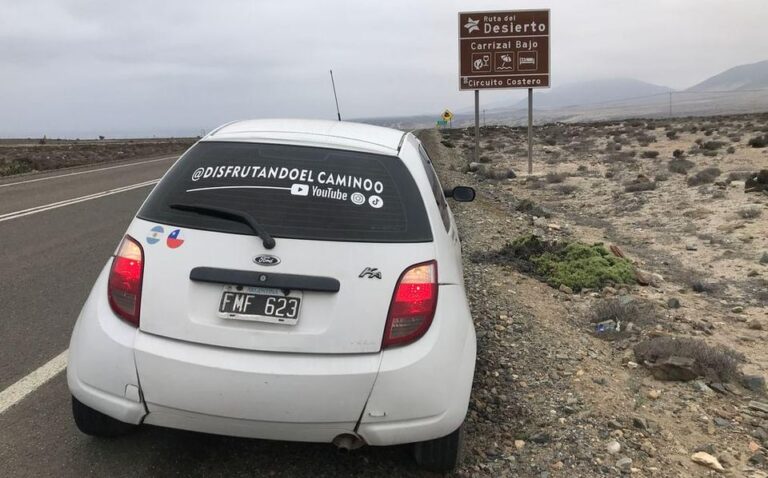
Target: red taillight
{"type": "Point", "coordinates": [413, 305]}
{"type": "Point", "coordinates": [124, 289]}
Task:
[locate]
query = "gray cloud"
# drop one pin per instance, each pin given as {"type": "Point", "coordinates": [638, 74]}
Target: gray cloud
{"type": "Point", "coordinates": [82, 68]}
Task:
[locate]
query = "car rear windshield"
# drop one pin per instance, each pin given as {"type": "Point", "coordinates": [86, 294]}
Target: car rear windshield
{"type": "Point", "coordinates": [293, 192]}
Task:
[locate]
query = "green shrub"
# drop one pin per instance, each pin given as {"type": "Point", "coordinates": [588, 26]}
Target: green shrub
{"type": "Point", "coordinates": [575, 264]}
{"type": "Point", "coordinates": [581, 266]}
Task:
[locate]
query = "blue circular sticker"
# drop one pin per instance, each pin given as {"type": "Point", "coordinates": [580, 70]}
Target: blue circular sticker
{"type": "Point", "coordinates": [155, 234]}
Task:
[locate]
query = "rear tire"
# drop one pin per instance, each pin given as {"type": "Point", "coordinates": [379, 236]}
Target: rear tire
{"type": "Point", "coordinates": [440, 455]}
{"type": "Point", "coordinates": [94, 423]}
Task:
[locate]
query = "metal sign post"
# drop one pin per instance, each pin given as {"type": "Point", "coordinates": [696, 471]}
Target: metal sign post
{"type": "Point", "coordinates": [477, 125]}
{"type": "Point", "coordinates": [504, 50]}
{"type": "Point", "coordinates": [530, 131]}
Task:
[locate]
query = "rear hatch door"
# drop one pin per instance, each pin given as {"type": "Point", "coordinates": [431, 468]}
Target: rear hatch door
{"type": "Point", "coordinates": [346, 225]}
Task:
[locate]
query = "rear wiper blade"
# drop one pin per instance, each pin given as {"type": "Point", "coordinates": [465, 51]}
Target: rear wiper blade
{"type": "Point", "coordinates": [231, 214]}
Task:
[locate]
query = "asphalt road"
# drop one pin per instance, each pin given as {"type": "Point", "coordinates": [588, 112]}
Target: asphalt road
{"type": "Point", "coordinates": [48, 262]}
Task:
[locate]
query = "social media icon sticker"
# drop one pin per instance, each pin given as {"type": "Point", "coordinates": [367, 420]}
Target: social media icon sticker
{"type": "Point", "coordinates": [375, 201]}
{"type": "Point", "coordinates": [357, 198]}
{"type": "Point", "coordinates": [300, 189]}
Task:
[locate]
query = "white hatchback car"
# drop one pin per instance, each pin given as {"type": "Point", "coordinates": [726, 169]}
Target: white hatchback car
{"type": "Point", "coordinates": [290, 280]}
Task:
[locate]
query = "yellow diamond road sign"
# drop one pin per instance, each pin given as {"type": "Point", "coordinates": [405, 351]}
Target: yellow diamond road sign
{"type": "Point", "coordinates": [447, 115]}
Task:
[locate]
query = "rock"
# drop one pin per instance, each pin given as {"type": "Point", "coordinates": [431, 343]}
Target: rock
{"type": "Point", "coordinates": [624, 464]}
{"type": "Point", "coordinates": [613, 447]}
{"type": "Point", "coordinates": [756, 383]}
{"type": "Point", "coordinates": [764, 258]}
{"type": "Point", "coordinates": [565, 289]}
{"type": "Point", "coordinates": [558, 465]}
{"type": "Point", "coordinates": [631, 364]}
{"type": "Point", "coordinates": [540, 438]}
{"type": "Point", "coordinates": [691, 246]}
{"type": "Point", "coordinates": [643, 277]}
{"type": "Point", "coordinates": [719, 388]}
{"type": "Point", "coordinates": [738, 309]}
{"type": "Point", "coordinates": [755, 325]}
{"type": "Point", "coordinates": [640, 422]}
{"type": "Point", "coordinates": [705, 459]}
{"type": "Point", "coordinates": [474, 166]}
{"type": "Point", "coordinates": [757, 459]}
{"type": "Point", "coordinates": [673, 303]}
{"type": "Point", "coordinates": [540, 222]}
{"type": "Point", "coordinates": [654, 394]}
{"type": "Point", "coordinates": [702, 387]}
{"type": "Point", "coordinates": [674, 368]}
{"type": "Point", "coordinates": [759, 406]}
{"type": "Point", "coordinates": [519, 444]}
{"type": "Point", "coordinates": [721, 422]}
{"type": "Point", "coordinates": [615, 425]}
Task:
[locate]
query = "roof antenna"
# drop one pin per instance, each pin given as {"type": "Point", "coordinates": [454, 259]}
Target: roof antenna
{"type": "Point", "coordinates": [335, 97]}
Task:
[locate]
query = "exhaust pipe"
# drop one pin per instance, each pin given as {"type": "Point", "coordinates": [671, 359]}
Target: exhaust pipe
{"type": "Point", "coordinates": [348, 442]}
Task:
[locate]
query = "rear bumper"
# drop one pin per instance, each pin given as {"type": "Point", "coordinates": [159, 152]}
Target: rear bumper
{"type": "Point", "coordinates": [407, 394]}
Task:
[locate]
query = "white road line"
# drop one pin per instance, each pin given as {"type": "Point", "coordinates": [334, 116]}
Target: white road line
{"type": "Point", "coordinates": [16, 392]}
{"type": "Point", "coordinates": [67, 202]}
{"type": "Point", "coordinates": [87, 172]}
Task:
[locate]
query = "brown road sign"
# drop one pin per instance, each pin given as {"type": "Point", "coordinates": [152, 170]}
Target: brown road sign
{"type": "Point", "coordinates": [506, 49]}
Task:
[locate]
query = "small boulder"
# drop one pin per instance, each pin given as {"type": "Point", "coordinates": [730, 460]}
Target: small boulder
{"type": "Point", "coordinates": [756, 383]}
{"type": "Point", "coordinates": [705, 459]}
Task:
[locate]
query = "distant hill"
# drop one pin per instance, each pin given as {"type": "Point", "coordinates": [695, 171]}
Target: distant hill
{"type": "Point", "coordinates": [593, 92]}
{"type": "Point", "coordinates": [742, 77]}
{"type": "Point", "coordinates": [741, 89]}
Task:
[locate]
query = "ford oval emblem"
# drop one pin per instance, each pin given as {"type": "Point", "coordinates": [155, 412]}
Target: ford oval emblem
{"type": "Point", "coordinates": [266, 260]}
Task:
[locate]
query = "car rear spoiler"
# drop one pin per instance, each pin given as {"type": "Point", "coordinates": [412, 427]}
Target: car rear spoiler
{"type": "Point", "coordinates": [264, 279]}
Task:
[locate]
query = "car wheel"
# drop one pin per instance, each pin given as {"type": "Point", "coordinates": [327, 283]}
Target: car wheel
{"type": "Point", "coordinates": [441, 454]}
{"type": "Point", "coordinates": [95, 423]}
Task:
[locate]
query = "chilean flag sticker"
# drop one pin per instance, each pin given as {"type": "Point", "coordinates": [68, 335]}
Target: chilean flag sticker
{"type": "Point", "coordinates": [173, 240]}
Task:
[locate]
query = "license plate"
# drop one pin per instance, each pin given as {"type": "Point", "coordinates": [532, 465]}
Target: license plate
{"type": "Point", "coordinates": [260, 304]}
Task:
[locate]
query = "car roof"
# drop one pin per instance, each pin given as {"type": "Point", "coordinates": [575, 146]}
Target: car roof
{"type": "Point", "coordinates": [304, 132]}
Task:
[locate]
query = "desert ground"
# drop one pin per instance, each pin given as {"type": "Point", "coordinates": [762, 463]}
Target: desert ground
{"type": "Point", "coordinates": [677, 389]}
{"type": "Point", "coordinates": [30, 155]}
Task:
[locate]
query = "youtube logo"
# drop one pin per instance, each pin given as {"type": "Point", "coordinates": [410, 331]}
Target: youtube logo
{"type": "Point", "coordinates": [300, 190]}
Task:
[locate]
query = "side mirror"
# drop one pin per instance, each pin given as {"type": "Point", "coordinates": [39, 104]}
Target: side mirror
{"type": "Point", "coordinates": [461, 194]}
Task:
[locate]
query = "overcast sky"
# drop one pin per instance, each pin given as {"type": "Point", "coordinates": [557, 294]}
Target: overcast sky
{"type": "Point", "coordinates": [82, 68]}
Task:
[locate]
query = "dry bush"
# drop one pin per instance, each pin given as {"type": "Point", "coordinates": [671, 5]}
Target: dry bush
{"type": "Point", "coordinates": [529, 207]}
{"type": "Point", "coordinates": [758, 141]}
{"type": "Point", "coordinates": [649, 154]}
{"type": "Point", "coordinates": [713, 145]}
{"type": "Point", "coordinates": [566, 189]}
{"type": "Point", "coordinates": [739, 176]}
{"type": "Point", "coordinates": [660, 177]}
{"type": "Point", "coordinates": [680, 166]}
{"type": "Point", "coordinates": [750, 212]}
{"type": "Point", "coordinates": [678, 153]}
{"type": "Point", "coordinates": [534, 183]}
{"type": "Point", "coordinates": [622, 156]}
{"type": "Point", "coordinates": [730, 150]}
{"type": "Point", "coordinates": [699, 284]}
{"type": "Point", "coordinates": [714, 362]}
{"type": "Point", "coordinates": [672, 134]}
{"type": "Point", "coordinates": [705, 176]}
{"type": "Point", "coordinates": [553, 178]}
{"type": "Point", "coordinates": [616, 310]}
{"type": "Point", "coordinates": [639, 184]}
